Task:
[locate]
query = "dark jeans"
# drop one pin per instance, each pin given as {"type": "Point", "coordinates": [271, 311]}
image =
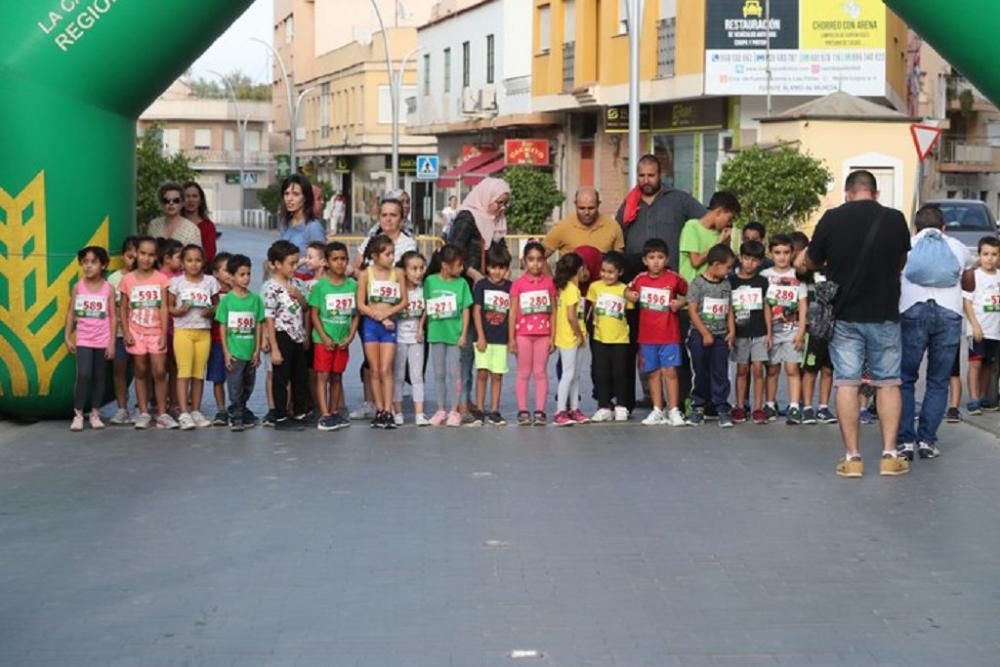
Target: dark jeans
{"type": "Point", "coordinates": [467, 362]}
{"type": "Point", "coordinates": [240, 380]}
{"type": "Point", "coordinates": [294, 368]}
{"type": "Point", "coordinates": [927, 327]}
{"type": "Point", "coordinates": [632, 354]}
{"type": "Point", "coordinates": [91, 371]}
{"type": "Point", "coordinates": [610, 371]}
{"type": "Point", "coordinates": [711, 372]}
{"type": "Point", "coordinates": [686, 369]}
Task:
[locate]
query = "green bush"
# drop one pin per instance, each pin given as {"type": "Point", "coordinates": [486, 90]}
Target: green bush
{"type": "Point", "coordinates": [533, 195]}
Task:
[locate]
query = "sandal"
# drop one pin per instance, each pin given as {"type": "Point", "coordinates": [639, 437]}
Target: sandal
{"type": "Point", "coordinates": [524, 418]}
{"type": "Point", "coordinates": [540, 418]}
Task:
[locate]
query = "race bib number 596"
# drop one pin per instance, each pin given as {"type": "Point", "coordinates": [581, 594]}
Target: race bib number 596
{"type": "Point", "coordinates": [654, 298]}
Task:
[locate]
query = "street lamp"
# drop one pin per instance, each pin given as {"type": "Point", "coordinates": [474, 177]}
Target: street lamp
{"type": "Point", "coordinates": [291, 105]}
{"type": "Point", "coordinates": [393, 96]}
{"type": "Point", "coordinates": [241, 130]}
{"type": "Point", "coordinates": [397, 84]}
{"type": "Point", "coordinates": [635, 11]}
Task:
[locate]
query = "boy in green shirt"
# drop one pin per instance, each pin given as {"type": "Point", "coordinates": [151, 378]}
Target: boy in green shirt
{"type": "Point", "coordinates": [240, 316]}
{"type": "Point", "coordinates": [698, 236]}
{"type": "Point", "coordinates": [333, 311]}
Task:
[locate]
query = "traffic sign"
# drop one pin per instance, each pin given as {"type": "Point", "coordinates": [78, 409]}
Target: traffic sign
{"type": "Point", "coordinates": [924, 138]}
{"type": "Point", "coordinates": [427, 167]}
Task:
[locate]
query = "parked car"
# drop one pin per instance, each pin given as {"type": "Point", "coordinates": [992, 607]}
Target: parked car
{"type": "Point", "coordinates": [968, 220]}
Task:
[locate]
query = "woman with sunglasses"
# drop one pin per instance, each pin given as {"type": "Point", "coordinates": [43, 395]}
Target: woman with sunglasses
{"type": "Point", "coordinates": [173, 225]}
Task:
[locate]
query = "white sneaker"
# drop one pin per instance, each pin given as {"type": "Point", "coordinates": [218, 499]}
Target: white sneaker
{"type": "Point", "coordinates": [142, 421]}
{"type": "Point", "coordinates": [603, 415]}
{"type": "Point", "coordinates": [397, 418]}
{"type": "Point", "coordinates": [675, 418]}
{"type": "Point", "coordinates": [621, 413]}
{"type": "Point", "coordinates": [185, 421]}
{"type": "Point", "coordinates": [366, 411]}
{"type": "Point", "coordinates": [655, 418]}
{"type": "Point", "coordinates": [200, 420]}
{"type": "Point", "coordinates": [121, 418]}
{"type": "Point", "coordinates": [165, 421]}
{"type": "Point", "coordinates": [421, 420]}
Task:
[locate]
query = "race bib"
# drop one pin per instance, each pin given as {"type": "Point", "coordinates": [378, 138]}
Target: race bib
{"type": "Point", "coordinates": [241, 323]}
{"type": "Point", "coordinates": [147, 296]}
{"type": "Point", "coordinates": [713, 309]}
{"type": "Point", "coordinates": [747, 299]}
{"type": "Point", "coordinates": [384, 291]}
{"type": "Point", "coordinates": [414, 305]}
{"type": "Point", "coordinates": [786, 296]}
{"type": "Point", "coordinates": [340, 305]}
{"type": "Point", "coordinates": [990, 302]}
{"type": "Point", "coordinates": [496, 301]}
{"type": "Point", "coordinates": [654, 298]}
{"type": "Point", "coordinates": [536, 301]}
{"type": "Point", "coordinates": [610, 305]}
{"type": "Point", "coordinates": [442, 307]}
{"type": "Point", "coordinates": [90, 307]}
{"type": "Point", "coordinates": [196, 298]}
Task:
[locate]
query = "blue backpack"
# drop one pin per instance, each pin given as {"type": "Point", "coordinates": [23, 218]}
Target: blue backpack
{"type": "Point", "coordinates": [932, 263]}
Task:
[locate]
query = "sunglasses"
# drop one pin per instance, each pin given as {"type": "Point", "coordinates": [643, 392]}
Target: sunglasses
{"type": "Point", "coordinates": [174, 200]}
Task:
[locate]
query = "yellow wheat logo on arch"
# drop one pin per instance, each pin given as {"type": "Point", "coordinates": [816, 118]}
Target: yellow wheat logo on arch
{"type": "Point", "coordinates": [32, 310]}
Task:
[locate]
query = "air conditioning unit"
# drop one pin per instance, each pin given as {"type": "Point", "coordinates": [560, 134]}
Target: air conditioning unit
{"type": "Point", "coordinates": [488, 98]}
{"type": "Point", "coordinates": [470, 101]}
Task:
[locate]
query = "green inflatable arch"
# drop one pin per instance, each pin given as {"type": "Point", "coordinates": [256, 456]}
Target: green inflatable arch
{"type": "Point", "coordinates": [74, 76]}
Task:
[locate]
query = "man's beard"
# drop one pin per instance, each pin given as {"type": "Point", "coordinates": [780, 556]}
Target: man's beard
{"type": "Point", "coordinates": [650, 189]}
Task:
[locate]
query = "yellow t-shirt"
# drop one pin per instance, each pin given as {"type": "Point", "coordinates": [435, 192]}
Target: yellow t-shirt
{"type": "Point", "coordinates": [568, 296]}
{"type": "Point", "coordinates": [610, 325]}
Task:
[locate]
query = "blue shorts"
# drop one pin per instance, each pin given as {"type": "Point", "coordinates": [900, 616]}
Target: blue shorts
{"type": "Point", "coordinates": [373, 331]}
{"type": "Point", "coordinates": [655, 357]}
{"type": "Point", "coordinates": [878, 343]}
{"type": "Point", "coordinates": [216, 363]}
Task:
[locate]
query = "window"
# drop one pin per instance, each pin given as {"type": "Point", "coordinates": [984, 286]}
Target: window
{"type": "Point", "coordinates": [427, 74]}
{"type": "Point", "coordinates": [668, 9]}
{"type": "Point", "coordinates": [447, 70]}
{"type": "Point", "coordinates": [622, 16]}
{"type": "Point", "coordinates": [202, 139]}
{"type": "Point", "coordinates": [544, 28]}
{"type": "Point", "coordinates": [289, 29]}
{"type": "Point", "coordinates": [171, 140]}
{"type": "Point", "coordinates": [489, 58]}
{"type": "Point", "coordinates": [465, 64]}
{"type": "Point", "coordinates": [569, 21]}
{"type": "Point", "coordinates": [324, 110]}
{"type": "Point", "coordinates": [229, 140]}
{"type": "Point", "coordinates": [385, 103]}
{"type": "Point", "coordinates": [253, 141]}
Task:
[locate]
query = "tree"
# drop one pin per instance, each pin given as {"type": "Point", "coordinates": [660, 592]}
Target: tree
{"type": "Point", "coordinates": [533, 195]}
{"type": "Point", "coordinates": [244, 86]}
{"type": "Point", "coordinates": [780, 188]}
{"type": "Point", "coordinates": [153, 168]}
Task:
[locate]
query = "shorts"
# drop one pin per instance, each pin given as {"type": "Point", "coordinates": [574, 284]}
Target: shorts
{"type": "Point", "coordinates": [325, 361]}
{"type": "Point", "coordinates": [216, 364]}
{"type": "Point", "coordinates": [145, 343]}
{"type": "Point", "coordinates": [984, 351]}
{"type": "Point", "coordinates": [191, 352]}
{"type": "Point", "coordinates": [121, 354]}
{"type": "Point", "coordinates": [817, 355]}
{"type": "Point", "coordinates": [878, 343]}
{"type": "Point", "coordinates": [750, 350]}
{"type": "Point", "coordinates": [655, 357]}
{"type": "Point", "coordinates": [784, 353]}
{"type": "Point", "coordinates": [373, 331]}
{"type": "Point", "coordinates": [494, 359]}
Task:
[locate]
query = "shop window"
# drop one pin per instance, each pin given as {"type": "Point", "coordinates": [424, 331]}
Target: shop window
{"type": "Point", "coordinates": [677, 158]}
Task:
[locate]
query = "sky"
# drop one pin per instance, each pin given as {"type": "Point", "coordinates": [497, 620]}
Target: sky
{"type": "Point", "coordinates": [234, 50]}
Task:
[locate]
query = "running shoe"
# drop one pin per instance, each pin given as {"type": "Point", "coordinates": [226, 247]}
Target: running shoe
{"type": "Point", "coordinates": [621, 413]}
{"type": "Point", "coordinates": [928, 450]}
{"type": "Point", "coordinates": [200, 420]}
{"type": "Point", "coordinates": [676, 418]}
{"type": "Point", "coordinates": [121, 418]}
{"type": "Point", "coordinates": [603, 415]}
{"type": "Point", "coordinates": [142, 421]}
{"type": "Point", "coordinates": [165, 421]}
{"type": "Point", "coordinates": [563, 419]}
{"type": "Point", "coordinates": [495, 419]}
{"type": "Point", "coordinates": [824, 416]}
{"type": "Point", "coordinates": [95, 420]}
{"type": "Point", "coordinates": [77, 423]}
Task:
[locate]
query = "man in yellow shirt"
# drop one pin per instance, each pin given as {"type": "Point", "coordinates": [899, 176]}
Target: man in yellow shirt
{"type": "Point", "coordinates": [586, 226]}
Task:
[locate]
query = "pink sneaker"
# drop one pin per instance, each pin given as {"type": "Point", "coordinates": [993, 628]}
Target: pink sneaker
{"type": "Point", "coordinates": [439, 418]}
{"type": "Point", "coordinates": [454, 418]}
{"type": "Point", "coordinates": [578, 416]}
{"type": "Point", "coordinates": [95, 421]}
{"type": "Point", "coordinates": [77, 424]}
{"type": "Point", "coordinates": [563, 419]}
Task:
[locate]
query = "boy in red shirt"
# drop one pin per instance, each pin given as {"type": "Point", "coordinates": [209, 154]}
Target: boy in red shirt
{"type": "Point", "coordinates": [659, 293]}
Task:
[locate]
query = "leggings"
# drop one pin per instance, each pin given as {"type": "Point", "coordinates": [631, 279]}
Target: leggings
{"type": "Point", "coordinates": [445, 359]}
{"type": "Point", "coordinates": [294, 369]}
{"type": "Point", "coordinates": [408, 355]}
{"type": "Point", "coordinates": [568, 394]}
{"type": "Point", "coordinates": [532, 361]}
{"type": "Point", "coordinates": [91, 369]}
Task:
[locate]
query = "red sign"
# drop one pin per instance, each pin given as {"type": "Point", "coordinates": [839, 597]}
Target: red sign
{"type": "Point", "coordinates": [534, 152]}
{"type": "Point", "coordinates": [469, 151]}
{"type": "Point", "coordinates": [924, 138]}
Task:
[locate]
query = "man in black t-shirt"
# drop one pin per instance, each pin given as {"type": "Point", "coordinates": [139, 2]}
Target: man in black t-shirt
{"type": "Point", "coordinates": [867, 310]}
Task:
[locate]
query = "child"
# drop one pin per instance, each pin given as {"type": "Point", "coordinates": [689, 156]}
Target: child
{"type": "Point", "coordinates": [334, 315]}
{"type": "Point", "coordinates": [192, 300]}
{"type": "Point", "coordinates": [168, 254]}
{"type": "Point", "coordinates": [216, 372]}
{"type": "Point", "coordinates": [530, 332]}
{"type": "Point", "coordinates": [241, 321]}
{"type": "Point", "coordinates": [122, 359]}
{"type": "Point", "coordinates": [659, 293]}
{"type": "Point", "coordinates": [982, 310]}
{"type": "Point", "coordinates": [410, 340]}
{"type": "Point", "coordinates": [283, 305]}
{"type": "Point", "coordinates": [699, 236]}
{"type": "Point", "coordinates": [92, 314]}
{"type": "Point", "coordinates": [712, 335]}
{"type": "Point", "coordinates": [380, 299]}
{"type": "Point", "coordinates": [816, 363]}
{"type": "Point", "coordinates": [786, 297]}
{"type": "Point", "coordinates": [144, 318]}
{"type": "Point", "coordinates": [610, 341]}
{"type": "Point", "coordinates": [448, 302]}
{"type": "Point", "coordinates": [491, 313]}
{"type": "Point", "coordinates": [570, 339]}
{"type": "Point", "coordinates": [752, 323]}
{"type": "Point", "coordinates": [314, 265]}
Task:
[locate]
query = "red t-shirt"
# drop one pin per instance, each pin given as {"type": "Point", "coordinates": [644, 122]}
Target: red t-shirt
{"type": "Point", "coordinates": [208, 241]}
{"type": "Point", "coordinates": [658, 324]}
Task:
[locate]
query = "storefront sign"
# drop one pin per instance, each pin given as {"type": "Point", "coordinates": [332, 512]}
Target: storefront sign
{"type": "Point", "coordinates": [282, 165]}
{"type": "Point", "coordinates": [469, 151]}
{"type": "Point", "coordinates": [701, 114]}
{"type": "Point", "coordinates": [616, 119]}
{"type": "Point", "coordinates": [817, 47]}
{"type": "Point", "coordinates": [407, 163]}
{"type": "Point", "coordinates": [342, 164]}
{"type": "Point", "coordinates": [527, 151]}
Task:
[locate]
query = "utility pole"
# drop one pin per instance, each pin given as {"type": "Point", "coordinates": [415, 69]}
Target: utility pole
{"type": "Point", "coordinates": [291, 103]}
{"type": "Point", "coordinates": [635, 11]}
{"type": "Point", "coordinates": [241, 130]}
{"type": "Point", "coordinates": [394, 97]}
{"type": "Point", "coordinates": [767, 60]}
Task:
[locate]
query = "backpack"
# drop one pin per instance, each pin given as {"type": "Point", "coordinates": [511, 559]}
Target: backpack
{"type": "Point", "coordinates": [820, 317]}
{"type": "Point", "coordinates": [931, 262]}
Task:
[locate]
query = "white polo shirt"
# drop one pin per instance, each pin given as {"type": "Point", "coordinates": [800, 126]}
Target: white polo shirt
{"type": "Point", "coordinates": [946, 297]}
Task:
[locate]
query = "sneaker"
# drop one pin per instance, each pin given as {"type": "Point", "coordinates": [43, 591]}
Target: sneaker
{"type": "Point", "coordinates": [892, 465]}
{"type": "Point", "coordinates": [906, 450]}
{"type": "Point", "coordinates": [473, 418]}
{"type": "Point", "coordinates": [328, 423]}
{"type": "Point", "coordinates": [928, 450]}
{"type": "Point", "coordinates": [867, 416]}
{"type": "Point", "coordinates": [563, 419]}
{"type": "Point", "coordinates": [738, 415]}
{"type": "Point", "coordinates": [974, 408]}
{"type": "Point", "coordinates": [676, 418]}
{"type": "Point", "coordinates": [772, 413]}
{"type": "Point", "coordinates": [250, 420]}
{"type": "Point", "coordinates": [621, 413]}
{"type": "Point", "coordinates": [287, 424]}
{"type": "Point", "coordinates": [454, 419]}
{"type": "Point", "coordinates": [850, 466]}
{"type": "Point", "coordinates": [200, 420]}
{"type": "Point", "coordinates": [342, 422]}
{"type": "Point", "coordinates": [222, 418]}
{"type": "Point", "coordinates": [725, 420]}
{"type": "Point", "coordinates": [366, 411]}
{"type": "Point", "coordinates": [696, 418]}
{"type": "Point", "coordinates": [270, 419]}
{"type": "Point", "coordinates": [236, 425]}
{"type": "Point", "coordinates": [142, 421]}
{"type": "Point", "coordinates": [388, 421]}
{"type": "Point", "coordinates": [377, 421]}
{"type": "Point", "coordinates": [524, 418]}
{"type": "Point", "coordinates": [421, 420]}
{"type": "Point", "coordinates": [824, 416]}
{"type": "Point", "coordinates": [794, 416]}
{"type": "Point", "coordinates": [952, 416]}
{"type": "Point", "coordinates": [77, 423]}
{"type": "Point", "coordinates": [759, 416]}
{"type": "Point", "coordinates": [539, 418]}
{"type": "Point", "coordinates": [95, 421]}
{"type": "Point", "coordinates": [397, 418]}
{"type": "Point", "coordinates": [121, 418]}
{"type": "Point", "coordinates": [186, 422]}
{"type": "Point", "coordinates": [495, 419]}
{"type": "Point", "coordinates": [603, 415]}
{"type": "Point", "coordinates": [988, 406]}
{"type": "Point", "coordinates": [165, 421]}
{"type": "Point", "coordinates": [310, 418]}
{"type": "Point", "coordinates": [809, 416]}
{"type": "Point", "coordinates": [711, 414]}
{"type": "Point", "coordinates": [439, 418]}
{"type": "Point", "coordinates": [655, 418]}
{"type": "Point", "coordinates": [578, 416]}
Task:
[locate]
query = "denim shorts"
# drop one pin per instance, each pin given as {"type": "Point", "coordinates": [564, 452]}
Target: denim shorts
{"type": "Point", "coordinates": [655, 357]}
{"type": "Point", "coordinates": [373, 331]}
{"type": "Point", "coordinates": [878, 343]}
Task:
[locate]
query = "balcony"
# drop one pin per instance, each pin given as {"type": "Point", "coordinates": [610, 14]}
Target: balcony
{"type": "Point", "coordinates": [569, 62]}
{"type": "Point", "coordinates": [964, 97]}
{"type": "Point", "coordinates": [202, 158]}
{"type": "Point", "coordinates": [967, 156]}
{"type": "Point", "coordinates": [666, 47]}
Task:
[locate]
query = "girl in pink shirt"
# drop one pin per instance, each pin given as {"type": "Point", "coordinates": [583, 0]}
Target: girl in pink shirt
{"type": "Point", "coordinates": [532, 308]}
{"type": "Point", "coordinates": [90, 327]}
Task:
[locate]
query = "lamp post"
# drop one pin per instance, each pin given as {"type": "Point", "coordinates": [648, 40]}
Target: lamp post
{"type": "Point", "coordinates": [397, 85]}
{"type": "Point", "coordinates": [241, 130]}
{"type": "Point", "coordinates": [291, 102]}
{"type": "Point", "coordinates": [635, 11]}
{"type": "Point", "coordinates": [393, 96]}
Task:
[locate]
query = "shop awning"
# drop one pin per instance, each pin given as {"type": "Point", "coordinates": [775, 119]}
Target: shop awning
{"type": "Point", "coordinates": [449, 178]}
{"type": "Point", "coordinates": [473, 177]}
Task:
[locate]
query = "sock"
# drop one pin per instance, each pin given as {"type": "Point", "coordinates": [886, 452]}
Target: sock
{"type": "Point", "coordinates": [793, 406]}
{"type": "Point", "coordinates": [824, 406]}
{"type": "Point", "coordinates": [769, 404]}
